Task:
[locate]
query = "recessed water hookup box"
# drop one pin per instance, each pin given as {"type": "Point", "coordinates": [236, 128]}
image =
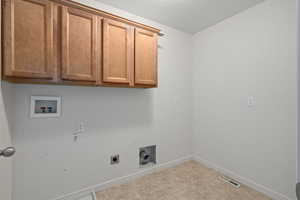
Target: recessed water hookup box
{"type": "Point", "coordinates": [45, 106]}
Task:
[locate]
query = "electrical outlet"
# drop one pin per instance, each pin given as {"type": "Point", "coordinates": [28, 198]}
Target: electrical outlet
{"type": "Point", "coordinates": [115, 159]}
{"type": "Point", "coordinates": [251, 101]}
{"type": "Point", "coordinates": [79, 131]}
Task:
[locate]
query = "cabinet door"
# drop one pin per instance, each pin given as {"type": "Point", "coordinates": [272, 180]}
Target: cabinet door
{"type": "Point", "coordinates": [118, 52]}
{"type": "Point", "coordinates": [28, 39]}
{"type": "Point", "coordinates": [145, 57]}
{"type": "Point", "coordinates": [79, 45]}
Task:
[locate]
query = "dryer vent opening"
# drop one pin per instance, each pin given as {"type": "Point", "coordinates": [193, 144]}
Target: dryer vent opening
{"type": "Point", "coordinates": [147, 155]}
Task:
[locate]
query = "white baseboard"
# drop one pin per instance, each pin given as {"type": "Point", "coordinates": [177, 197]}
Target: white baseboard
{"type": "Point", "coordinates": [141, 173]}
{"type": "Point", "coordinates": [258, 187]}
{"type": "Point", "coordinates": [121, 180]}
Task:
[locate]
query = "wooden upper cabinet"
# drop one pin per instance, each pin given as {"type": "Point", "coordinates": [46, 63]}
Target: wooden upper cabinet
{"type": "Point", "coordinates": [118, 53]}
{"type": "Point", "coordinates": [63, 42]}
{"type": "Point", "coordinates": [28, 39]}
{"type": "Point", "coordinates": [80, 45]}
{"type": "Point", "coordinates": [145, 57]}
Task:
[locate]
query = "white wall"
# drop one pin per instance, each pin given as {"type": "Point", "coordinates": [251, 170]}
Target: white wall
{"type": "Point", "coordinates": [118, 120]}
{"type": "Point", "coordinates": [298, 146]}
{"type": "Point", "coordinates": [5, 141]}
{"type": "Point", "coordinates": [251, 54]}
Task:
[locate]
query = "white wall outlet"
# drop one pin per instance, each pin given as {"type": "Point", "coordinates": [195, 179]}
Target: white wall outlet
{"type": "Point", "coordinates": [77, 133]}
{"type": "Point", "coordinates": [82, 127]}
{"type": "Point", "coordinates": [251, 101]}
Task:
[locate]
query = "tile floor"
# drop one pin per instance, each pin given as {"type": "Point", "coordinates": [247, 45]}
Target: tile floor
{"type": "Point", "coordinates": [187, 181]}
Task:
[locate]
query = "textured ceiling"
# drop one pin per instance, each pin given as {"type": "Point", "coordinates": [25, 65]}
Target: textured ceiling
{"type": "Point", "coordinates": [187, 15]}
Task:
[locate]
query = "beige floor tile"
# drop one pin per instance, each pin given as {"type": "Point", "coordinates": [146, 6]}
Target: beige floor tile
{"type": "Point", "coordinates": [188, 181]}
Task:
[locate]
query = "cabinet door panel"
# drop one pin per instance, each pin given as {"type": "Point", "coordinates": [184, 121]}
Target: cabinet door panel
{"type": "Point", "coordinates": [28, 39]}
{"type": "Point", "coordinates": [79, 41]}
{"type": "Point", "coordinates": [145, 57]}
{"type": "Point", "coordinates": [118, 52]}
